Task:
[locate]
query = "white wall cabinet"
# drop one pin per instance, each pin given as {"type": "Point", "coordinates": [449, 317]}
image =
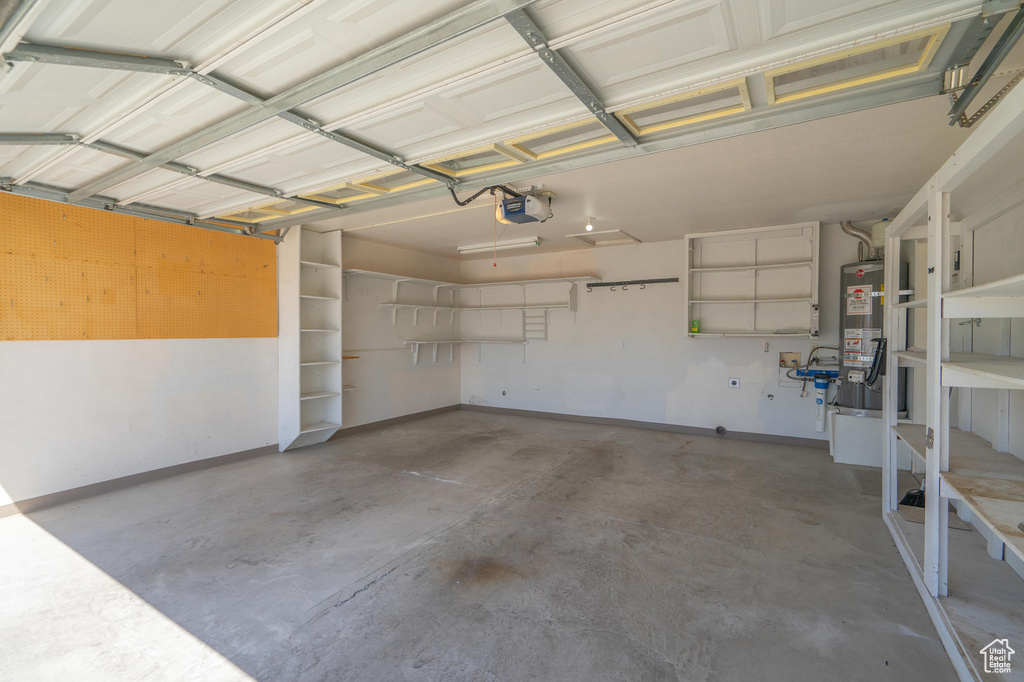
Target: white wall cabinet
{"type": "Point", "coordinates": [753, 282]}
{"type": "Point", "coordinates": [310, 360]}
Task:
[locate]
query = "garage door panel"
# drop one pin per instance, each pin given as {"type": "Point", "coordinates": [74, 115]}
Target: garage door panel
{"type": "Point", "coordinates": [326, 37]}
{"type": "Point", "coordinates": [428, 71]}
{"type": "Point", "coordinates": [653, 48]}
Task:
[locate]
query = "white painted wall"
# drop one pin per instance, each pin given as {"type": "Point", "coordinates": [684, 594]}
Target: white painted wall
{"type": "Point", "coordinates": [376, 257]}
{"type": "Point", "coordinates": [74, 413]}
{"type": "Point", "coordinates": [663, 376]}
{"type": "Point", "coordinates": [998, 415]}
{"type": "Point", "coordinates": [387, 382]}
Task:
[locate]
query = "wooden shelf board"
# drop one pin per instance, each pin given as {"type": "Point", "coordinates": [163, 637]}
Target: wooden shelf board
{"type": "Point", "coordinates": [756, 300]}
{"type": "Point", "coordinates": [1006, 287]}
{"type": "Point", "coordinates": [741, 268]}
{"type": "Point", "coordinates": [550, 306]}
{"type": "Point", "coordinates": [320, 298]}
{"type": "Point", "coordinates": [319, 362]}
{"type": "Point", "coordinates": [387, 276]}
{"type": "Point", "coordinates": [713, 334]}
{"type": "Point", "coordinates": [314, 264]}
{"type": "Point", "coordinates": [318, 426]}
{"type": "Point", "coordinates": [441, 341]}
{"type": "Point", "coordinates": [969, 453]}
{"type": "Point", "coordinates": [913, 436]}
{"type": "Point", "coordinates": [314, 395]}
{"type": "Point", "coordinates": [520, 282]}
{"type": "Point", "coordinates": [908, 358]}
{"type": "Point", "coordinates": [419, 307]}
{"type": "Point", "coordinates": [543, 306]}
{"type": "Point", "coordinates": [974, 370]}
{"type": "Point", "coordinates": [320, 331]}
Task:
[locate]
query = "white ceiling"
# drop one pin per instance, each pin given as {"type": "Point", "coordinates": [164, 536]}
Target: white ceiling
{"type": "Point", "coordinates": [861, 166]}
{"type": "Point", "coordinates": [485, 87]}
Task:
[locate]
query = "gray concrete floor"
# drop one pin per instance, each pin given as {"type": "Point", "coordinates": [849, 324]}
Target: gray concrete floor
{"type": "Point", "coordinates": [470, 546]}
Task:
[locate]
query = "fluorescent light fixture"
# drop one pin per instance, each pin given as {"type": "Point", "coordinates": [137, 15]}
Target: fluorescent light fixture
{"type": "Point", "coordinates": [590, 224]}
{"type": "Point", "coordinates": [500, 246]}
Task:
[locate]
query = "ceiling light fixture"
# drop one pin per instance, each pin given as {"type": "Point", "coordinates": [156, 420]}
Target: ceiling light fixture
{"type": "Point", "coordinates": [605, 238]}
{"type": "Point", "coordinates": [590, 224]}
{"type": "Point", "coordinates": [499, 246]}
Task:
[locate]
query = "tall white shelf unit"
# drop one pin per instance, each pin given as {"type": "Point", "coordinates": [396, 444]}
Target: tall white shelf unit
{"type": "Point", "coordinates": [981, 185]}
{"type": "Point", "coordinates": [310, 360]}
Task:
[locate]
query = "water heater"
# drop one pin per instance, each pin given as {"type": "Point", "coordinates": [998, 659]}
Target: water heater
{"type": "Point", "coordinates": [861, 297]}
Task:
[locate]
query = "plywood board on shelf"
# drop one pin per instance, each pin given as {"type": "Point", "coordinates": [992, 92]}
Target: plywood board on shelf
{"type": "Point", "coordinates": [986, 486]}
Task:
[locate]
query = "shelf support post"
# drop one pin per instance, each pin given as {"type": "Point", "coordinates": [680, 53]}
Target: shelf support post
{"type": "Point", "coordinates": [936, 536]}
{"type": "Point", "coordinates": [890, 382]}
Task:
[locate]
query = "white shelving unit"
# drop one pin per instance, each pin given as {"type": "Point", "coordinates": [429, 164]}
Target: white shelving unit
{"type": "Point", "coordinates": [310, 361]}
{"type": "Point", "coordinates": [453, 298]}
{"type": "Point", "coordinates": [760, 282]}
{"type": "Point", "coordinates": [966, 371]}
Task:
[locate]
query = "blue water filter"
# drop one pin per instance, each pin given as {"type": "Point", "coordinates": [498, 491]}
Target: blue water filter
{"type": "Point", "coordinates": [820, 391]}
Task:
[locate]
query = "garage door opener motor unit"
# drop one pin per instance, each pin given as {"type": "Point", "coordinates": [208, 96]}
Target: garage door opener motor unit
{"type": "Point", "coordinates": [525, 209]}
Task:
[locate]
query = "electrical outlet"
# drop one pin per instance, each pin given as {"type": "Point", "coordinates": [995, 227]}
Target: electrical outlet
{"type": "Point", "coordinates": [623, 345]}
{"type": "Point", "coordinates": [734, 383]}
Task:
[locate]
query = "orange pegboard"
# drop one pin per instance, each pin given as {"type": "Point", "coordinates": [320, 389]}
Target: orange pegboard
{"type": "Point", "coordinates": [75, 273]}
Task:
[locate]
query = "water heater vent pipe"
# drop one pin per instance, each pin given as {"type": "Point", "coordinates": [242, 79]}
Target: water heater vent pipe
{"type": "Point", "coordinates": [862, 235]}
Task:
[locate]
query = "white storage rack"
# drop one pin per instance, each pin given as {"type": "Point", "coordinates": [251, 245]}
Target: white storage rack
{"type": "Point", "coordinates": [981, 185]}
{"type": "Point", "coordinates": [760, 282]}
{"type": "Point", "coordinates": [310, 362]}
{"type": "Point", "coordinates": [447, 301]}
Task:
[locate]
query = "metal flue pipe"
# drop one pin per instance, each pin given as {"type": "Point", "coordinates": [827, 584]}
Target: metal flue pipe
{"type": "Point", "coordinates": [862, 235]}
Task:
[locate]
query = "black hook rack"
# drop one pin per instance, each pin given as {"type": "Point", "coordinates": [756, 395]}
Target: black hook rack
{"type": "Point", "coordinates": [627, 282]}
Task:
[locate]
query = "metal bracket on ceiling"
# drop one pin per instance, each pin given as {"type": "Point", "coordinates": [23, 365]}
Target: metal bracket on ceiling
{"type": "Point", "coordinates": [450, 26]}
{"type": "Point", "coordinates": [534, 37]}
{"type": "Point", "coordinates": [1005, 43]}
{"type": "Point", "coordinates": [50, 54]}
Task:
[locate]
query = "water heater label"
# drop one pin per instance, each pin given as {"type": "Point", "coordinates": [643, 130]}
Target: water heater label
{"type": "Point", "coordinates": [858, 300]}
{"type": "Point", "coordinates": [859, 346]}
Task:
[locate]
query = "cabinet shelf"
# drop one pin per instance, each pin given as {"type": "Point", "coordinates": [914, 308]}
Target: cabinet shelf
{"type": "Point", "coordinates": [319, 298]}
{"type": "Point", "coordinates": [316, 395]}
{"type": "Point", "coordinates": [443, 341]}
{"type": "Point", "coordinates": [716, 335]}
{"type": "Point", "coordinates": [744, 268]}
{"type": "Point", "coordinates": [416, 306]}
{"type": "Point", "coordinates": [319, 331]}
{"type": "Point", "coordinates": [918, 303]}
{"type": "Point", "coordinates": [321, 266]}
{"type": "Point", "coordinates": [974, 370]}
{"type": "Point", "coordinates": [754, 300]}
{"type": "Point", "coordinates": [319, 362]}
{"type": "Point", "coordinates": [348, 387]}
{"type": "Point", "coordinates": [1002, 298]}
{"type": "Point", "coordinates": [990, 483]}
{"type": "Point", "coordinates": [313, 427]}
{"type": "Point", "coordinates": [1002, 288]}
{"type": "Point", "coordinates": [756, 282]}
{"type": "Point", "coordinates": [909, 358]}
